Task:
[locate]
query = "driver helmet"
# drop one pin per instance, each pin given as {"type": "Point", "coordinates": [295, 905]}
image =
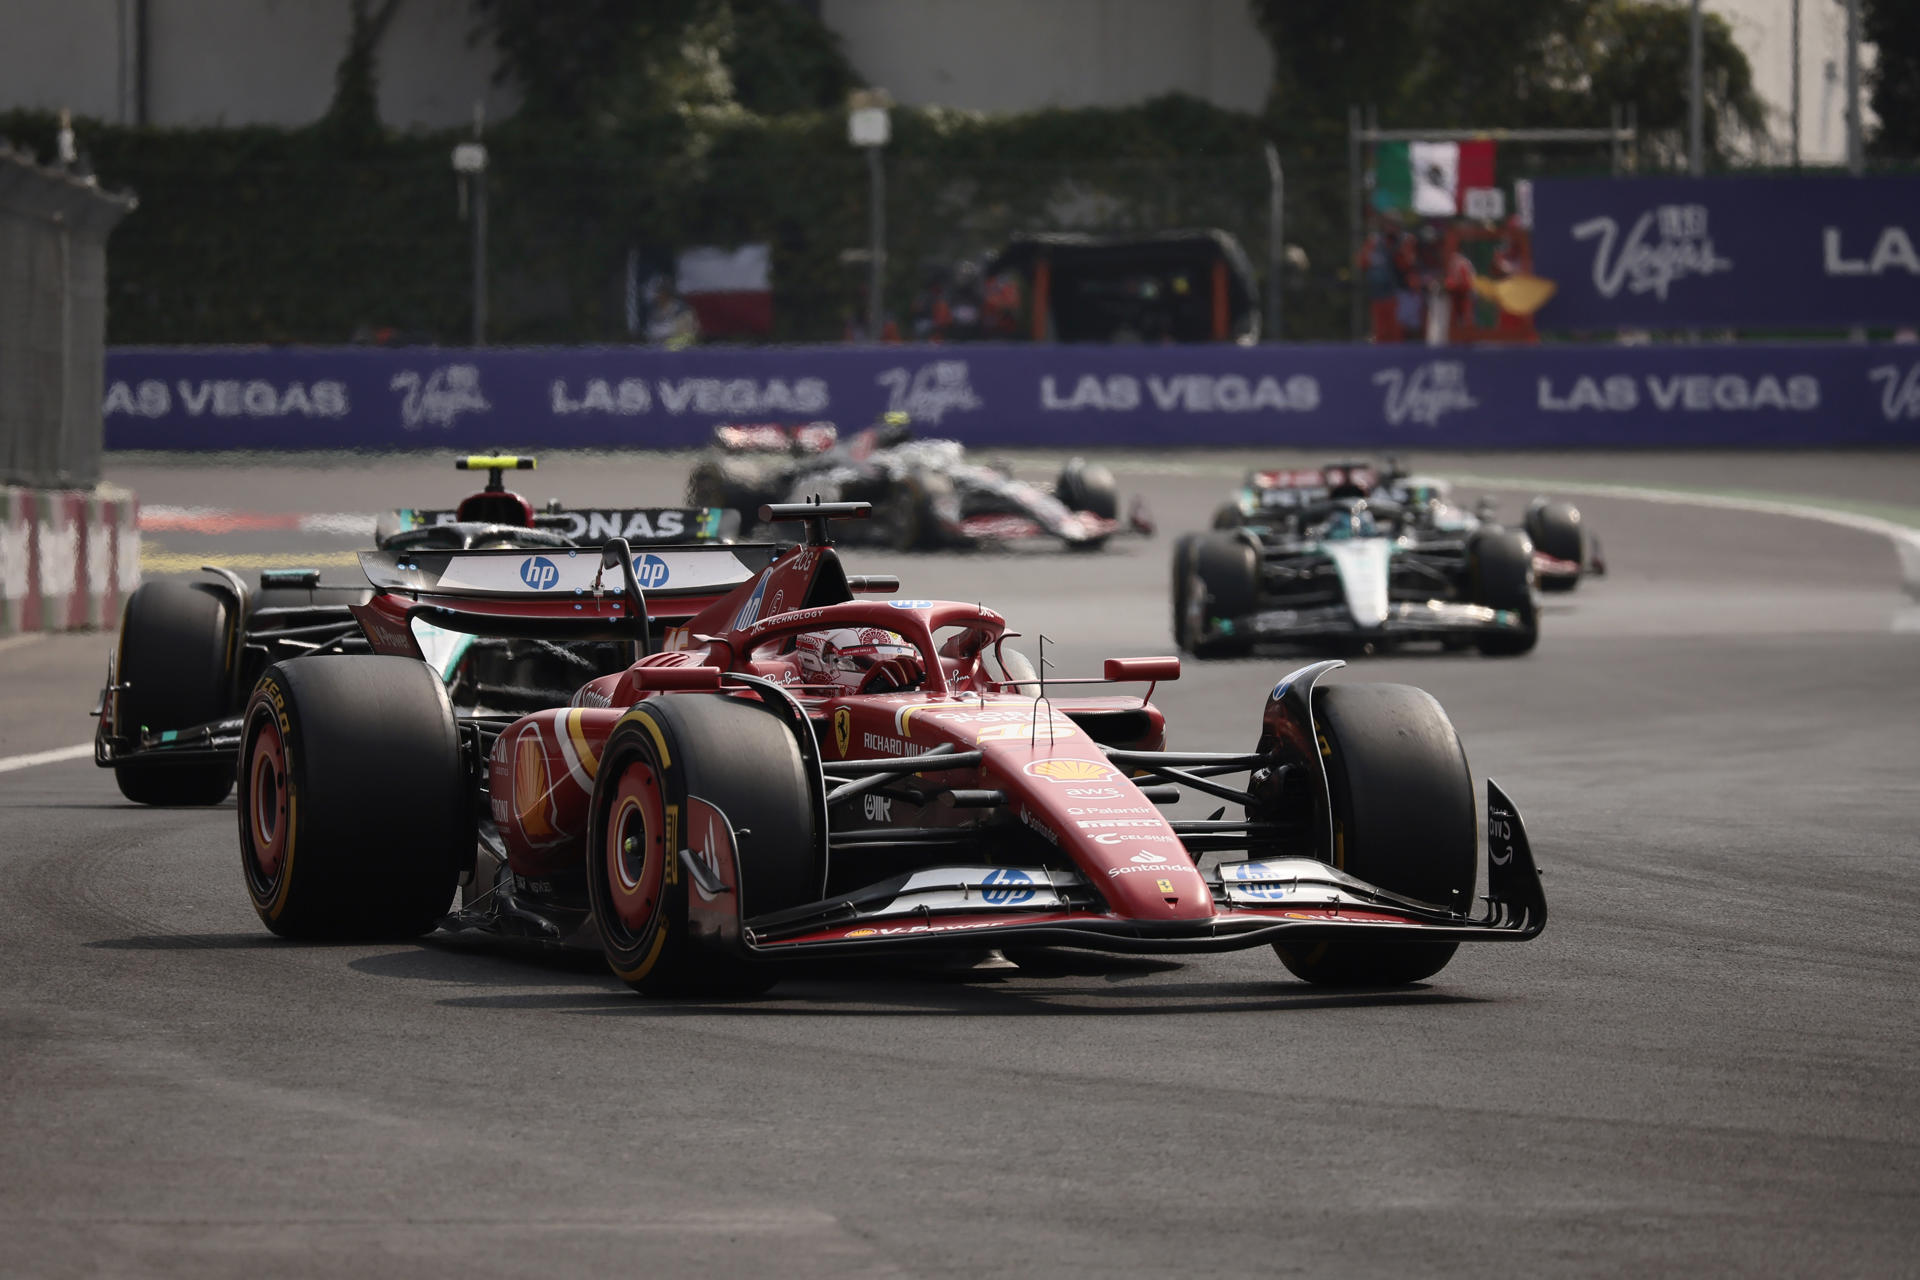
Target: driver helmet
{"type": "Point", "coordinates": [844, 656]}
{"type": "Point", "coordinates": [1351, 520]}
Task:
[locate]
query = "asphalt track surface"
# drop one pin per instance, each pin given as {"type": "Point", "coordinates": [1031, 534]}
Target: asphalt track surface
{"type": "Point", "coordinates": [1706, 1066]}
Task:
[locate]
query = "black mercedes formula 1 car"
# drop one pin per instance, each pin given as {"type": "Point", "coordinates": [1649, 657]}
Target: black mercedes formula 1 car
{"type": "Point", "coordinates": [789, 767]}
{"type": "Point", "coordinates": [190, 650]}
{"type": "Point", "coordinates": [1347, 557]}
{"type": "Point", "coordinates": [925, 494]}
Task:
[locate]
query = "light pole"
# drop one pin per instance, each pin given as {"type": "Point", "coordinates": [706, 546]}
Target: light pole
{"type": "Point", "coordinates": [1696, 144]}
{"type": "Point", "coordinates": [470, 162]}
{"type": "Point", "coordinates": [869, 127]}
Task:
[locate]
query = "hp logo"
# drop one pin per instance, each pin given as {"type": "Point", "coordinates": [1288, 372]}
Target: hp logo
{"type": "Point", "coordinates": [540, 573]}
{"type": "Point", "coordinates": [1007, 887]}
{"type": "Point", "coordinates": [652, 572]}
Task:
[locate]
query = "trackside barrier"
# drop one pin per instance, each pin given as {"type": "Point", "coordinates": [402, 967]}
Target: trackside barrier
{"type": "Point", "coordinates": [1775, 395]}
{"type": "Point", "coordinates": [68, 559]}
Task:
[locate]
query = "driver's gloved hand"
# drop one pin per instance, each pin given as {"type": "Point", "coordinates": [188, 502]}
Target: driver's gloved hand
{"type": "Point", "coordinates": [890, 675]}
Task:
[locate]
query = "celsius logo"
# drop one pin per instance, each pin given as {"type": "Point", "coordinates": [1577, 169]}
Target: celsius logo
{"type": "Point", "coordinates": [1006, 887]}
{"type": "Point", "coordinates": [540, 573]}
{"type": "Point", "coordinates": [652, 572]}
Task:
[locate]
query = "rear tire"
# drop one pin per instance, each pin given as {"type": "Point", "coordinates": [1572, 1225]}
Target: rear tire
{"type": "Point", "coordinates": [1089, 487]}
{"type": "Point", "coordinates": [178, 645]}
{"type": "Point", "coordinates": [906, 519]}
{"type": "Point", "coordinates": [744, 762]}
{"type": "Point", "coordinates": [1500, 576]}
{"type": "Point", "coordinates": [1556, 529]}
{"type": "Point", "coordinates": [356, 811]}
{"type": "Point", "coordinates": [1404, 820]}
{"type": "Point", "coordinates": [1228, 568]}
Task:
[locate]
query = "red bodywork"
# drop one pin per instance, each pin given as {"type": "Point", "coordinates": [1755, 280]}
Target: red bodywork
{"type": "Point", "coordinates": [1057, 781]}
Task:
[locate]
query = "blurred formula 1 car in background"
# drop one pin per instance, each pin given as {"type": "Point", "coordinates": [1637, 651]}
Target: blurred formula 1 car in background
{"type": "Point", "coordinates": [804, 773]}
{"type": "Point", "coordinates": [925, 494]}
{"type": "Point", "coordinates": [1338, 555]}
{"type": "Point", "coordinates": [1564, 549]}
{"type": "Point", "coordinates": [189, 651]}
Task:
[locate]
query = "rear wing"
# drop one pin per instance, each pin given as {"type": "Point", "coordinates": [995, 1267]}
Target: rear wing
{"type": "Point", "coordinates": [557, 593]}
{"type": "Point", "coordinates": [591, 526]}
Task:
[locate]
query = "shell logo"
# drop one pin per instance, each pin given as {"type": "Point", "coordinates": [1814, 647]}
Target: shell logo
{"type": "Point", "coordinates": [1071, 770]}
{"type": "Point", "coordinates": [530, 787]}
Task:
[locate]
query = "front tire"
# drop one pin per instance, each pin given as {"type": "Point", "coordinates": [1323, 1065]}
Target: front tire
{"type": "Point", "coordinates": [178, 644]}
{"type": "Point", "coordinates": [1228, 569]}
{"type": "Point", "coordinates": [734, 756]}
{"type": "Point", "coordinates": [356, 811]}
{"type": "Point", "coordinates": [1404, 820]}
{"type": "Point", "coordinates": [1500, 576]}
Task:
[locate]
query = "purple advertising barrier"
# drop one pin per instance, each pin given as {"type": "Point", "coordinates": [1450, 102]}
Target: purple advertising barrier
{"type": "Point", "coordinates": [1752, 253]}
{"type": "Point", "coordinates": [1748, 395]}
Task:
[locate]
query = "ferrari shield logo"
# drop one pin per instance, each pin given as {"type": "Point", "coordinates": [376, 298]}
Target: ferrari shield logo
{"type": "Point", "coordinates": [842, 729]}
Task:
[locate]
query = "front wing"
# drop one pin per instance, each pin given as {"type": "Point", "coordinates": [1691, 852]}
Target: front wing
{"type": "Point", "coordinates": [1256, 902]}
{"type": "Point", "coordinates": [1406, 620]}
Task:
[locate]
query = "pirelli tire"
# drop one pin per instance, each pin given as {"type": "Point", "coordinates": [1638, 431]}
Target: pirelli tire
{"type": "Point", "coordinates": [1500, 576]}
{"type": "Point", "coordinates": [737, 757]}
{"type": "Point", "coordinates": [1089, 487]}
{"type": "Point", "coordinates": [1404, 819]}
{"type": "Point", "coordinates": [1227, 571]}
{"type": "Point", "coordinates": [1184, 549]}
{"type": "Point", "coordinates": [908, 518]}
{"type": "Point", "coordinates": [1556, 528]}
{"type": "Point", "coordinates": [356, 804]}
{"type": "Point", "coordinates": [179, 642]}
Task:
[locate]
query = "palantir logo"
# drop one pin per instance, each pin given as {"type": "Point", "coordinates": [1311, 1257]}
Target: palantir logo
{"type": "Point", "coordinates": [1425, 392]}
{"type": "Point", "coordinates": [1003, 894]}
{"type": "Point", "coordinates": [1642, 264]}
{"type": "Point", "coordinates": [652, 572]}
{"type": "Point", "coordinates": [540, 573]}
{"type": "Point", "coordinates": [1899, 392]}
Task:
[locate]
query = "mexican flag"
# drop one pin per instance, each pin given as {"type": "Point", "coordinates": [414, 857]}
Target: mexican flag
{"type": "Point", "coordinates": [1429, 178]}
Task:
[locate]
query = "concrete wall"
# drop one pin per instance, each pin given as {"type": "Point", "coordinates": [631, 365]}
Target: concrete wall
{"type": "Point", "coordinates": [239, 61]}
{"type": "Point", "coordinates": [1016, 55]}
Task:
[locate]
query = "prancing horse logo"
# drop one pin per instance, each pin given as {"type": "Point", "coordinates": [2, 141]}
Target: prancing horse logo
{"type": "Point", "coordinates": [842, 729]}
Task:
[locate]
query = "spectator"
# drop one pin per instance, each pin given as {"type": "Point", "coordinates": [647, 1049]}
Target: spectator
{"type": "Point", "coordinates": [670, 321]}
{"type": "Point", "coordinates": [1383, 261]}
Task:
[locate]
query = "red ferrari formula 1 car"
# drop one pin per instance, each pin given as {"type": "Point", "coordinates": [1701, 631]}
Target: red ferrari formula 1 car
{"type": "Point", "coordinates": [787, 769]}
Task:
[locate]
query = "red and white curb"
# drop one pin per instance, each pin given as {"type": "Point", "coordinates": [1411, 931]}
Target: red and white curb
{"type": "Point", "coordinates": [162, 519]}
{"type": "Point", "coordinates": [67, 558]}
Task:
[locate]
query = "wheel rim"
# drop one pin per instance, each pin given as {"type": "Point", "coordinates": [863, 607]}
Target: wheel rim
{"type": "Point", "coordinates": [267, 823]}
{"type": "Point", "coordinates": [636, 851]}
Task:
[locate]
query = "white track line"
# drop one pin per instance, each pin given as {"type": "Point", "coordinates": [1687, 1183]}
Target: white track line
{"type": "Point", "coordinates": [82, 752]}
{"type": "Point", "coordinates": [1905, 538]}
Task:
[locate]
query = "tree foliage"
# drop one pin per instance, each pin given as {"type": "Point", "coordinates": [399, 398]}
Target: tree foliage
{"type": "Point", "coordinates": [1507, 64]}
{"type": "Point", "coordinates": [604, 65]}
{"type": "Point", "coordinates": [1893, 28]}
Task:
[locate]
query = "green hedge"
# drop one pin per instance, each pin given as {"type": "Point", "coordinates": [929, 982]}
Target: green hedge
{"type": "Point", "coordinates": [271, 235]}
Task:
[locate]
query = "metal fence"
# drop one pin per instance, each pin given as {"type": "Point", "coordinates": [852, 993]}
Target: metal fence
{"type": "Point", "coordinates": [53, 321]}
